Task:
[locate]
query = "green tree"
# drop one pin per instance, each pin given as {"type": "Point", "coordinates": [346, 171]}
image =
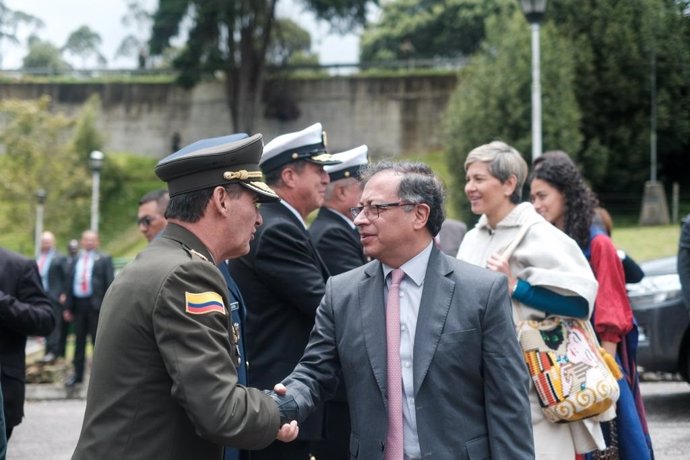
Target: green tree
{"type": "Point", "coordinates": [419, 29]}
{"type": "Point", "coordinates": [85, 43]}
{"type": "Point", "coordinates": [87, 137]}
{"type": "Point", "coordinates": [291, 42]}
{"type": "Point", "coordinates": [492, 99]}
{"type": "Point", "coordinates": [11, 21]}
{"type": "Point", "coordinates": [44, 56]}
{"type": "Point", "coordinates": [616, 44]}
{"type": "Point", "coordinates": [233, 37]}
{"type": "Point", "coordinates": [134, 44]}
{"type": "Point", "coordinates": [39, 154]}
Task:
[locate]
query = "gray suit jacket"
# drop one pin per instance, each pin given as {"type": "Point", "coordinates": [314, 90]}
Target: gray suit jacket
{"type": "Point", "coordinates": [451, 235]}
{"type": "Point", "coordinates": [471, 385]}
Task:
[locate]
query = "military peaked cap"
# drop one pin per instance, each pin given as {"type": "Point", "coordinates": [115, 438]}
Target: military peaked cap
{"type": "Point", "coordinates": [216, 161]}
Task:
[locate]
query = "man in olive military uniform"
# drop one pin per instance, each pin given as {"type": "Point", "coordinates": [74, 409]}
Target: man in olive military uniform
{"type": "Point", "coordinates": [164, 382]}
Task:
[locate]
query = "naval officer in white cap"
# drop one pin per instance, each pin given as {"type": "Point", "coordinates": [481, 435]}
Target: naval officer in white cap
{"type": "Point", "coordinates": [283, 278]}
{"type": "Point", "coordinates": [333, 232]}
{"type": "Point", "coordinates": [337, 239]}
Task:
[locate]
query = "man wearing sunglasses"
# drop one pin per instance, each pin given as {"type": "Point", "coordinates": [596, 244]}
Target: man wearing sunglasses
{"type": "Point", "coordinates": [151, 215]}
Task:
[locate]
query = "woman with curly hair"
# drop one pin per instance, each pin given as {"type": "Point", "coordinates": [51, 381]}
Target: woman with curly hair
{"type": "Point", "coordinates": [559, 193]}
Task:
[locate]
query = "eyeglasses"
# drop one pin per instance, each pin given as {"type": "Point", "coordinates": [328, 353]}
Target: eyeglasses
{"type": "Point", "coordinates": [374, 210]}
{"type": "Point", "coordinates": [145, 221]}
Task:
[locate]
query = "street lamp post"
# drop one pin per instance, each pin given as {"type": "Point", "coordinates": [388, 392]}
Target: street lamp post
{"type": "Point", "coordinates": [40, 202]}
{"type": "Point", "coordinates": [534, 12]}
{"type": "Point", "coordinates": [96, 161]}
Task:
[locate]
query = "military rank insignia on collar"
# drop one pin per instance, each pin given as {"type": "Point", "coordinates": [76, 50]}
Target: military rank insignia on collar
{"type": "Point", "coordinates": [203, 302]}
{"type": "Point", "coordinates": [198, 254]}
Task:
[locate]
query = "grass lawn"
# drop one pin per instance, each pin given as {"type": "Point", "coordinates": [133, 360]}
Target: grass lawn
{"type": "Point", "coordinates": [646, 243]}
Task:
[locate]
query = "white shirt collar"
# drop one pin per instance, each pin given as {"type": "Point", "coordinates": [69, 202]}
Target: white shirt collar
{"type": "Point", "coordinates": [415, 268]}
{"type": "Point", "coordinates": [344, 217]}
{"type": "Point", "coordinates": [294, 211]}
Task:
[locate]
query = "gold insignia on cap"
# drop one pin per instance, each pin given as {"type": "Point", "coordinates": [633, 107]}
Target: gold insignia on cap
{"type": "Point", "coordinates": [242, 174]}
{"type": "Point", "coordinates": [323, 157]}
{"type": "Point", "coordinates": [346, 174]}
{"type": "Point", "coordinates": [324, 138]}
{"type": "Point", "coordinates": [295, 156]}
{"type": "Point", "coordinates": [262, 186]}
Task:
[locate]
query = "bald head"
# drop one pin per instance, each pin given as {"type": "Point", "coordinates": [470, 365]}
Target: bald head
{"type": "Point", "coordinates": [47, 241]}
{"type": "Point", "coordinates": [89, 240]}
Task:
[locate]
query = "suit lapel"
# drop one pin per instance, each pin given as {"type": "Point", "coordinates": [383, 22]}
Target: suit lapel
{"type": "Point", "coordinates": [433, 311]}
{"type": "Point", "coordinates": [374, 322]}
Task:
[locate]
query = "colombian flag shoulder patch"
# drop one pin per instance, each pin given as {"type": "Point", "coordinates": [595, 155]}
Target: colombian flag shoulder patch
{"type": "Point", "coordinates": [203, 302]}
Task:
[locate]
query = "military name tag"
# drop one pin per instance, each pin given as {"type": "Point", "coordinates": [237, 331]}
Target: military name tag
{"type": "Point", "coordinates": [234, 306]}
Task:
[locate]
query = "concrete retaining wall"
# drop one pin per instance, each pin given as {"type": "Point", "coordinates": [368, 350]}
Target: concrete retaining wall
{"type": "Point", "coordinates": [391, 115]}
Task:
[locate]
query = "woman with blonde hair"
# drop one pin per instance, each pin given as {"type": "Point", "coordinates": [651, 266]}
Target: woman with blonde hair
{"type": "Point", "coordinates": [547, 273]}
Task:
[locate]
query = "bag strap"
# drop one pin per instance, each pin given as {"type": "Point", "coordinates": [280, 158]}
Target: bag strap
{"type": "Point", "coordinates": [507, 252]}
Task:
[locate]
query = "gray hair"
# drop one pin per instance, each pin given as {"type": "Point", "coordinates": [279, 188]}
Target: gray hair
{"type": "Point", "coordinates": [418, 184]}
{"type": "Point", "coordinates": [503, 161]}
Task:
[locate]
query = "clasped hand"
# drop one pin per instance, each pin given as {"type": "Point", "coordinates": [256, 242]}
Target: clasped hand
{"type": "Point", "coordinates": [289, 428]}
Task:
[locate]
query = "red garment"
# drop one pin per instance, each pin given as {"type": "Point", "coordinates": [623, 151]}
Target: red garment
{"type": "Point", "coordinates": [613, 317]}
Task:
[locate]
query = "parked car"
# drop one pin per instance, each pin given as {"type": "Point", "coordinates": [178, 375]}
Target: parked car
{"type": "Point", "coordinates": [663, 319]}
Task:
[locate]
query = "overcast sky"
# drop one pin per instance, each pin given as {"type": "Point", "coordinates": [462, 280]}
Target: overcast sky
{"type": "Point", "coordinates": [61, 17]}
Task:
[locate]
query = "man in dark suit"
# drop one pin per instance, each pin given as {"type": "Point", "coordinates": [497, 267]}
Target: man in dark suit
{"type": "Point", "coordinates": [337, 240]}
{"type": "Point", "coordinates": [333, 232]}
{"type": "Point", "coordinates": [65, 323]}
{"type": "Point", "coordinates": [90, 278]}
{"type": "Point", "coordinates": [283, 278]}
{"type": "Point", "coordinates": [450, 236]}
{"type": "Point", "coordinates": [435, 371]}
{"type": "Point", "coordinates": [24, 310]}
{"type": "Point", "coordinates": [52, 267]}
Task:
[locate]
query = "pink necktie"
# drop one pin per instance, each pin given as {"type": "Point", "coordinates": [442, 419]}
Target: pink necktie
{"type": "Point", "coordinates": [394, 438]}
{"type": "Point", "coordinates": [41, 263]}
{"type": "Point", "coordinates": [85, 273]}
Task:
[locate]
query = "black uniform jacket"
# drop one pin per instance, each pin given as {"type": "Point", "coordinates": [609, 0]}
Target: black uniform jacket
{"type": "Point", "coordinates": [337, 242]}
{"type": "Point", "coordinates": [282, 280]}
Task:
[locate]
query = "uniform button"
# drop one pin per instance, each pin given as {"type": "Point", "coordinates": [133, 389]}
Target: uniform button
{"type": "Point", "coordinates": [407, 364]}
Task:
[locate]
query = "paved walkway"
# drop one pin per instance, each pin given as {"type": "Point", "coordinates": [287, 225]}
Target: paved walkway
{"type": "Point", "coordinates": [51, 428]}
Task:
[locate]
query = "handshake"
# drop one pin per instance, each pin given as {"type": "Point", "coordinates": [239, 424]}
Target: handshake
{"type": "Point", "coordinates": [288, 413]}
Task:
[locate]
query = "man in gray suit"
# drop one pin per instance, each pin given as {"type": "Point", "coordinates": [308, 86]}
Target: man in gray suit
{"type": "Point", "coordinates": [462, 384]}
{"type": "Point", "coordinates": [450, 236]}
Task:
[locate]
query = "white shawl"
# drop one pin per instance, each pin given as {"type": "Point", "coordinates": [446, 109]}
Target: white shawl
{"type": "Point", "coordinates": [549, 258]}
{"type": "Point", "coordinates": [545, 257]}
